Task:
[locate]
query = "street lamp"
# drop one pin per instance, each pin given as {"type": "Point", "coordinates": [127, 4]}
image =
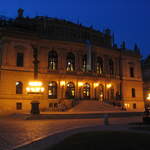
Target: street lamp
{"type": "Point", "coordinates": [35, 87]}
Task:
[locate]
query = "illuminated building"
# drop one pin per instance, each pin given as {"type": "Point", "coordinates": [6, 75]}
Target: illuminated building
{"type": "Point", "coordinates": [75, 63]}
{"type": "Point", "coordinates": [146, 79]}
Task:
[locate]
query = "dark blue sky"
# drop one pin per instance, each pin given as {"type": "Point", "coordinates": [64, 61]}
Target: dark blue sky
{"type": "Point", "coordinates": [128, 19]}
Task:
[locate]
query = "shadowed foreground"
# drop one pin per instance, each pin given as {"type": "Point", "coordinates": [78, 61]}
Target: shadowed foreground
{"type": "Point", "coordinates": [105, 140]}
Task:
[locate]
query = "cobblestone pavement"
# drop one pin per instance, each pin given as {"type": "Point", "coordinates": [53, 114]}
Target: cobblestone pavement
{"type": "Point", "coordinates": [17, 132]}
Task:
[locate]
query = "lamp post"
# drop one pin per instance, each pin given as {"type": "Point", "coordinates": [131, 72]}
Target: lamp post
{"type": "Point", "coordinates": [35, 87]}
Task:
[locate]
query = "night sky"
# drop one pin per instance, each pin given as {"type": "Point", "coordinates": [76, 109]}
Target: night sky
{"type": "Point", "coordinates": [128, 19]}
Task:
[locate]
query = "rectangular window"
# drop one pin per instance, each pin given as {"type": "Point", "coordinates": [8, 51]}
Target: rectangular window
{"type": "Point", "coordinates": [20, 59]}
{"type": "Point", "coordinates": [134, 106]}
{"type": "Point", "coordinates": [131, 72]}
{"type": "Point", "coordinates": [19, 106]}
{"type": "Point", "coordinates": [133, 92]}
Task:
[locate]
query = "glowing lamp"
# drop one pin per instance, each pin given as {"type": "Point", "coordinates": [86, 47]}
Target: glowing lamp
{"type": "Point", "coordinates": [80, 84]}
{"type": "Point", "coordinates": [148, 97]}
{"type": "Point", "coordinates": [108, 85]}
{"type": "Point", "coordinates": [101, 95]}
{"type": "Point", "coordinates": [96, 85]}
{"type": "Point", "coordinates": [35, 87]}
{"type": "Point", "coordinates": [62, 83]}
{"type": "Point", "coordinates": [127, 105]}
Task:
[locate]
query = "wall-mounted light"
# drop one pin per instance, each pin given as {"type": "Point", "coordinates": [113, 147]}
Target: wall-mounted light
{"type": "Point", "coordinates": [35, 87]}
{"type": "Point", "coordinates": [109, 85]}
{"type": "Point", "coordinates": [62, 83]}
{"type": "Point", "coordinates": [80, 84]}
{"type": "Point", "coordinates": [96, 85]}
{"type": "Point", "coordinates": [148, 97]}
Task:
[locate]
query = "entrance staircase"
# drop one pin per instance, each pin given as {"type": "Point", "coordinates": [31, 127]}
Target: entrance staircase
{"type": "Point", "coordinates": [93, 106]}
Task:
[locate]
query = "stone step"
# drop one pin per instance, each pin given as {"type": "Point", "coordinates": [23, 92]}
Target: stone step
{"type": "Point", "coordinates": [93, 105]}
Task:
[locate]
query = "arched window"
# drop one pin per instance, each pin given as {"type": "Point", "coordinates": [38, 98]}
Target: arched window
{"type": "Point", "coordinates": [19, 87]}
{"type": "Point", "coordinates": [111, 66]}
{"type": "Point", "coordinates": [101, 92]}
{"type": "Point", "coordinates": [84, 63]}
{"type": "Point", "coordinates": [20, 59]}
{"type": "Point", "coordinates": [52, 90]}
{"type": "Point", "coordinates": [86, 91]}
{"type": "Point", "coordinates": [70, 62]}
{"type": "Point", "coordinates": [99, 65]}
{"type": "Point", "coordinates": [70, 90]}
{"type": "Point", "coordinates": [52, 60]}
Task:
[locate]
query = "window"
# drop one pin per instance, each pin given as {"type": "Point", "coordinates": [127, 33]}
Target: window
{"type": "Point", "coordinates": [70, 62]}
{"type": "Point", "coordinates": [134, 106]}
{"type": "Point", "coordinates": [70, 91]}
{"type": "Point", "coordinates": [86, 91]}
{"type": "Point", "coordinates": [52, 60]}
{"type": "Point", "coordinates": [99, 65]}
{"type": "Point", "coordinates": [19, 87]}
{"type": "Point", "coordinates": [20, 59]}
{"type": "Point", "coordinates": [111, 67]}
{"type": "Point", "coordinates": [133, 92]}
{"type": "Point", "coordinates": [18, 106]}
{"type": "Point", "coordinates": [131, 72]}
{"type": "Point", "coordinates": [52, 90]}
{"type": "Point", "coordinates": [84, 63]}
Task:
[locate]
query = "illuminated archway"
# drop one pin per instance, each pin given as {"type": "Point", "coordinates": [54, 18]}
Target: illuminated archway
{"type": "Point", "coordinates": [86, 91]}
{"type": "Point", "coordinates": [70, 90]}
{"type": "Point", "coordinates": [52, 60]}
{"type": "Point", "coordinates": [52, 90]}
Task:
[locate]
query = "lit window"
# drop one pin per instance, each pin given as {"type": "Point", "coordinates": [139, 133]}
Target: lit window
{"type": "Point", "coordinates": [52, 90]}
{"type": "Point", "coordinates": [70, 62]}
{"type": "Point", "coordinates": [19, 87]}
{"type": "Point", "coordinates": [52, 60]}
{"type": "Point", "coordinates": [70, 91]}
{"type": "Point", "coordinates": [86, 91]}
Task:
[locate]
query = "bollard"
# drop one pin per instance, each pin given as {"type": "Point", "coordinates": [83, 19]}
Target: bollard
{"type": "Point", "coordinates": [106, 120]}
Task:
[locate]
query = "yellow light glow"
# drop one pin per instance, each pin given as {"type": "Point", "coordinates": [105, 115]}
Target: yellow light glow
{"type": "Point", "coordinates": [35, 83]}
{"type": "Point", "coordinates": [109, 85]}
{"type": "Point", "coordinates": [148, 97]}
{"type": "Point", "coordinates": [96, 85]}
{"type": "Point", "coordinates": [101, 95]}
{"type": "Point", "coordinates": [80, 84]}
{"type": "Point", "coordinates": [62, 83]}
{"type": "Point", "coordinates": [17, 83]}
{"type": "Point", "coordinates": [35, 87]}
{"type": "Point", "coordinates": [127, 105]}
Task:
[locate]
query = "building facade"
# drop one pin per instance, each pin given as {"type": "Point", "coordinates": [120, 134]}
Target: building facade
{"type": "Point", "coordinates": [75, 63]}
{"type": "Point", "coordinates": [146, 79]}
